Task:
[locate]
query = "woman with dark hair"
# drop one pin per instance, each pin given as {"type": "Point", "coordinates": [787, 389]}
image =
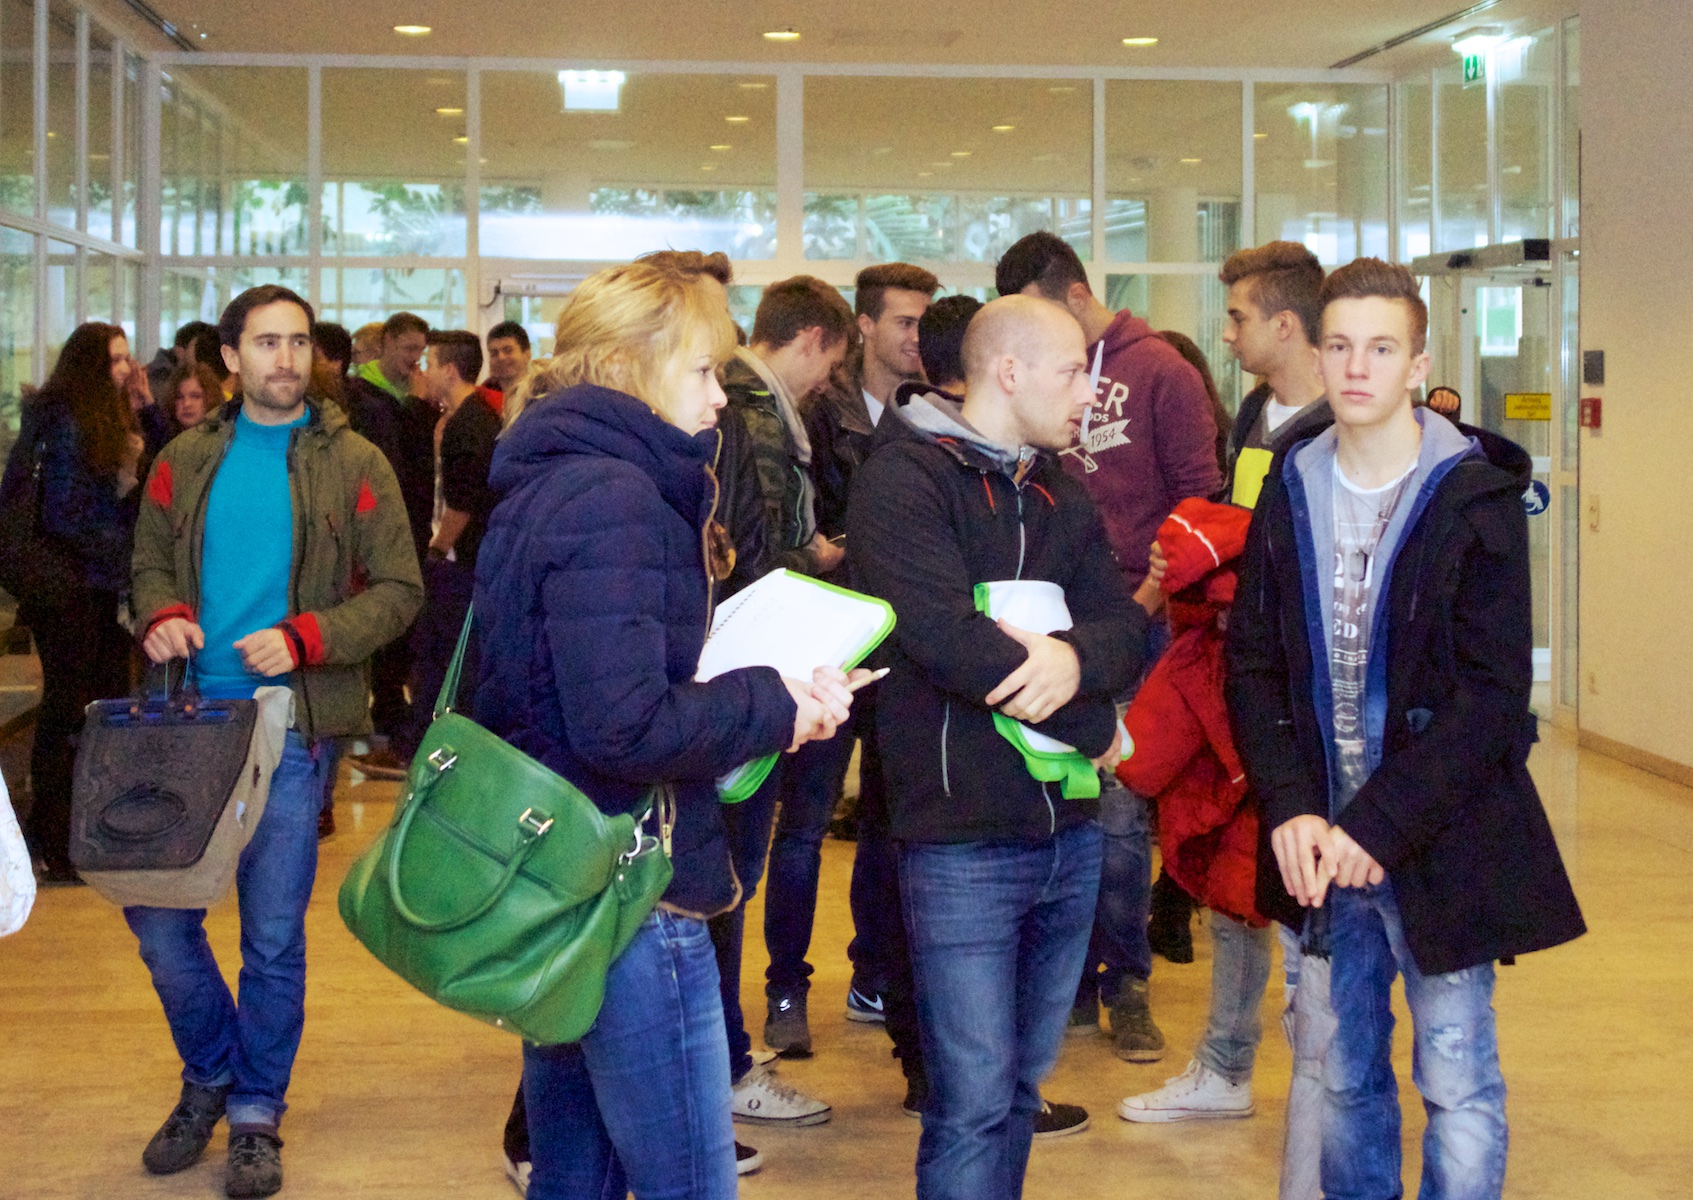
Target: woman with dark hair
{"type": "Point", "coordinates": [190, 395]}
{"type": "Point", "coordinates": [1189, 349]}
{"type": "Point", "coordinates": [81, 434]}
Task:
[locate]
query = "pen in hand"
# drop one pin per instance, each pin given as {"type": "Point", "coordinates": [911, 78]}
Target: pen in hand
{"type": "Point", "coordinates": [854, 685]}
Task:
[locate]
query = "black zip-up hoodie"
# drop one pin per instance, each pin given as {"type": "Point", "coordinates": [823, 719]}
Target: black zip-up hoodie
{"type": "Point", "coordinates": [935, 510]}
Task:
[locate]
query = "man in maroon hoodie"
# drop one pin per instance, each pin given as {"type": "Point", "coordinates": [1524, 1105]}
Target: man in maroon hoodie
{"type": "Point", "coordinates": [1151, 444]}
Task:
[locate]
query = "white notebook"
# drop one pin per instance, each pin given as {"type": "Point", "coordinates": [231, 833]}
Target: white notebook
{"type": "Point", "coordinates": [795, 624]}
{"type": "Point", "coordinates": [1037, 606]}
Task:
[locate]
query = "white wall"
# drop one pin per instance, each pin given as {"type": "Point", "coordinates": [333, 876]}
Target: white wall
{"type": "Point", "coordinates": [1637, 306]}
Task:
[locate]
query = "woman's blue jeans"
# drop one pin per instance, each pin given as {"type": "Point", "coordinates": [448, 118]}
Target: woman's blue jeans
{"type": "Point", "coordinates": [998, 933]}
{"type": "Point", "coordinates": [248, 1046]}
{"type": "Point", "coordinates": [641, 1103]}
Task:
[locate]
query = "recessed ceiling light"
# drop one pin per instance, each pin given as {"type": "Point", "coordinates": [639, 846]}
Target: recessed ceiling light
{"type": "Point", "coordinates": [753, 86]}
{"type": "Point", "coordinates": [413, 30]}
{"type": "Point", "coordinates": [1140, 41]}
{"type": "Point", "coordinates": [782, 35]}
{"type": "Point", "coordinates": [924, 174]}
{"type": "Point", "coordinates": [737, 120]}
{"type": "Point", "coordinates": [462, 140]}
{"type": "Point", "coordinates": [108, 158]}
{"type": "Point", "coordinates": [50, 133]}
{"type": "Point", "coordinates": [1003, 128]}
{"type": "Point", "coordinates": [1061, 89]}
{"type": "Point", "coordinates": [1260, 136]}
{"type": "Point", "coordinates": [882, 150]}
{"type": "Point", "coordinates": [962, 153]}
{"type": "Point", "coordinates": [1190, 162]}
{"type": "Point", "coordinates": [708, 166]}
{"type": "Point", "coordinates": [449, 112]}
{"type": "Point", "coordinates": [722, 146]}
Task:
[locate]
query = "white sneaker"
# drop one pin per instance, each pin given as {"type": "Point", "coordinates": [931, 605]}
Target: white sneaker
{"type": "Point", "coordinates": [518, 1173]}
{"type": "Point", "coordinates": [1197, 1094]}
{"type": "Point", "coordinates": [760, 1098]}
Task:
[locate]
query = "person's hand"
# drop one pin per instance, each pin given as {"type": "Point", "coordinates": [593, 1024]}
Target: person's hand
{"type": "Point", "coordinates": [1353, 866]}
{"type": "Point", "coordinates": [1150, 596]}
{"type": "Point", "coordinates": [138, 387]}
{"type": "Point", "coordinates": [176, 638]}
{"type": "Point", "coordinates": [1046, 681]}
{"type": "Point", "coordinates": [1304, 851]}
{"type": "Point", "coordinates": [266, 652]}
{"type": "Point", "coordinates": [818, 710]}
{"type": "Point", "coordinates": [1445, 401]}
{"type": "Point", "coordinates": [828, 555]}
{"type": "Point", "coordinates": [833, 688]}
{"type": "Point", "coordinates": [1156, 565]}
{"type": "Point", "coordinates": [133, 445]}
{"type": "Point", "coordinates": [1109, 760]}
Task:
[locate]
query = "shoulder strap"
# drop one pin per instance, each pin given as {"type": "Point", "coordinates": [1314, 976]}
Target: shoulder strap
{"type": "Point", "coordinates": [450, 685]}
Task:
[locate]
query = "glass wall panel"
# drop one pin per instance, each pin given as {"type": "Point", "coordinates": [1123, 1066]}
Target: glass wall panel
{"type": "Point", "coordinates": [1172, 171]}
{"type": "Point", "coordinates": [17, 106]}
{"type": "Point", "coordinates": [1321, 166]}
{"type": "Point", "coordinates": [355, 296]}
{"type": "Point", "coordinates": [1527, 72]}
{"type": "Point", "coordinates": [1571, 218]}
{"type": "Point", "coordinates": [17, 327]}
{"type": "Point", "coordinates": [1195, 305]}
{"type": "Point", "coordinates": [638, 163]}
{"type": "Point", "coordinates": [130, 315]}
{"type": "Point", "coordinates": [1416, 168]}
{"type": "Point", "coordinates": [1460, 140]}
{"type": "Point", "coordinates": [233, 161]}
{"type": "Point", "coordinates": [105, 290]}
{"type": "Point", "coordinates": [61, 115]}
{"type": "Point", "coordinates": [61, 298]}
{"type": "Point", "coordinates": [100, 76]}
{"type": "Point", "coordinates": [393, 169]}
{"type": "Point", "coordinates": [944, 169]}
{"type": "Point", "coordinates": [201, 293]}
{"type": "Point", "coordinates": [133, 72]}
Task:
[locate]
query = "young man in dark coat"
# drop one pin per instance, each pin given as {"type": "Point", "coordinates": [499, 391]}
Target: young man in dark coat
{"type": "Point", "coordinates": [999, 871]}
{"type": "Point", "coordinates": [1390, 757]}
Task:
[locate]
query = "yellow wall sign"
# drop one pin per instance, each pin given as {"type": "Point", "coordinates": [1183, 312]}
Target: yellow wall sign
{"type": "Point", "coordinates": [1528, 406]}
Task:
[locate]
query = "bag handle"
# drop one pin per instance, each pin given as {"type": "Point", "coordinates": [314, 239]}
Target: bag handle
{"type": "Point", "coordinates": [185, 693]}
{"type": "Point", "coordinates": [531, 828]}
{"type": "Point", "coordinates": [448, 699]}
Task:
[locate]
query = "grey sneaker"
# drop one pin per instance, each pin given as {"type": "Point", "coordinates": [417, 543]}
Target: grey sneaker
{"type": "Point", "coordinates": [786, 1030]}
{"type": "Point", "coordinates": [1133, 1035]}
{"type": "Point", "coordinates": [184, 1135]}
{"type": "Point", "coordinates": [255, 1164]}
{"type": "Point", "coordinates": [1084, 1021]}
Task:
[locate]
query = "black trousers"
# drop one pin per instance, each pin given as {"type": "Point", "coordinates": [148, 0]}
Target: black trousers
{"type": "Point", "coordinates": [447, 591]}
{"type": "Point", "coordinates": [85, 656]}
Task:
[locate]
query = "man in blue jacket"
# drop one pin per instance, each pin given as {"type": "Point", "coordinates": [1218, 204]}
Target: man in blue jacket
{"type": "Point", "coordinates": [999, 871]}
{"type": "Point", "coordinates": [1379, 669]}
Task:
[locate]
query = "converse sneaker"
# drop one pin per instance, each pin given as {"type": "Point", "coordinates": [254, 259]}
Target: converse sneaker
{"type": "Point", "coordinates": [1197, 1094]}
{"type": "Point", "coordinates": [518, 1171]}
{"type": "Point", "coordinates": [1134, 1037]}
{"type": "Point", "coordinates": [747, 1160]}
{"type": "Point", "coordinates": [1059, 1120]}
{"type": "Point", "coordinates": [786, 1030]}
{"type": "Point", "coordinates": [255, 1163]}
{"type": "Point", "coordinates": [865, 1006]}
{"type": "Point", "coordinates": [760, 1098]}
{"type": "Point", "coordinates": [916, 1094]}
{"type": "Point", "coordinates": [184, 1135]}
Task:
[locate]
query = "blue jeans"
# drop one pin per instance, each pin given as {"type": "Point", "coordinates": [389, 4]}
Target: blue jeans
{"type": "Point", "coordinates": [811, 780]}
{"type": "Point", "coordinates": [747, 825]}
{"type": "Point", "coordinates": [1240, 971]}
{"type": "Point", "coordinates": [641, 1103]}
{"type": "Point", "coordinates": [249, 1047]}
{"type": "Point", "coordinates": [1455, 1063]}
{"type": "Point", "coordinates": [998, 933]}
{"type": "Point", "coordinates": [877, 949]}
{"type": "Point", "coordinates": [1119, 948]}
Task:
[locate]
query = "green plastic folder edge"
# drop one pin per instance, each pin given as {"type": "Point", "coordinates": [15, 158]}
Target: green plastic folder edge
{"type": "Point", "coordinates": [747, 778]}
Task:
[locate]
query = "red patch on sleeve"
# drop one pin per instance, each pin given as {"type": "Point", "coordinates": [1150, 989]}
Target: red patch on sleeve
{"type": "Point", "coordinates": [161, 488]}
{"type": "Point", "coordinates": [367, 498]}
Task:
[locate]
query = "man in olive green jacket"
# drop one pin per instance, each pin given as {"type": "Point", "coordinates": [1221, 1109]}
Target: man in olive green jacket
{"type": "Point", "coordinates": [272, 542]}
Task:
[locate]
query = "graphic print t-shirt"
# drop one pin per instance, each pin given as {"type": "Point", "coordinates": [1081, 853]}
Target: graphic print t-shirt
{"type": "Point", "coordinates": [1361, 516]}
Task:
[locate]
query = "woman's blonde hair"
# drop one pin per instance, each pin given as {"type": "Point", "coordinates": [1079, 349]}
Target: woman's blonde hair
{"type": "Point", "coordinates": [625, 327]}
{"type": "Point", "coordinates": [530, 386]}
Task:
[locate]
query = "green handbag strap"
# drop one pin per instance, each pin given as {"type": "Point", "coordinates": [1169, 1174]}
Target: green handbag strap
{"type": "Point", "coordinates": [450, 685]}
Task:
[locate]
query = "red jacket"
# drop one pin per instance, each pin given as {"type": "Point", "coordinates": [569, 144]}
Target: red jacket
{"type": "Point", "coordinates": [1184, 755]}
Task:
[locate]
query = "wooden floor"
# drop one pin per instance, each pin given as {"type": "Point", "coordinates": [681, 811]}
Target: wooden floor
{"type": "Point", "coordinates": [394, 1097]}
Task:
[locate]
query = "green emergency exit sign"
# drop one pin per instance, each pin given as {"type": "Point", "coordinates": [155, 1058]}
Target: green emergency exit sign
{"type": "Point", "coordinates": [1475, 69]}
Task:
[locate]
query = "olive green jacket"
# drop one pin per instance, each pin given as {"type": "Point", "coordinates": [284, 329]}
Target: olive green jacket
{"type": "Point", "coordinates": [354, 585]}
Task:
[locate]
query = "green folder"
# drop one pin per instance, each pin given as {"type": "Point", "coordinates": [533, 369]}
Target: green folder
{"type": "Point", "coordinates": [793, 623]}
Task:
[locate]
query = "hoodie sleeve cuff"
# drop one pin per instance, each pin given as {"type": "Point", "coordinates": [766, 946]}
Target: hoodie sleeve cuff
{"type": "Point", "coordinates": [305, 637]}
{"type": "Point", "coordinates": [168, 613]}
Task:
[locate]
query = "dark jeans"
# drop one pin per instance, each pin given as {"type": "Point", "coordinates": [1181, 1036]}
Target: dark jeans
{"type": "Point", "coordinates": [447, 589]}
{"type": "Point", "coordinates": [1119, 948]}
{"type": "Point", "coordinates": [85, 656]}
{"type": "Point", "coordinates": [877, 949]}
{"type": "Point", "coordinates": [998, 933]}
{"type": "Point", "coordinates": [748, 825]}
{"type": "Point", "coordinates": [811, 781]}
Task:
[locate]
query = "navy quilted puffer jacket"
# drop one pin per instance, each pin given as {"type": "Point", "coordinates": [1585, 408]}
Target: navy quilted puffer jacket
{"type": "Point", "coordinates": [592, 603]}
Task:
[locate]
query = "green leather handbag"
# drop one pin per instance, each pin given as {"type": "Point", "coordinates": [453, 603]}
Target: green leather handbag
{"type": "Point", "coordinates": [499, 889]}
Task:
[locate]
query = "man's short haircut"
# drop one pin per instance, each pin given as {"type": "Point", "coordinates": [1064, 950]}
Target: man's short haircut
{"type": "Point", "coordinates": [234, 320]}
{"type": "Point", "coordinates": [1366, 278]}
{"type": "Point", "coordinates": [1286, 277]}
{"type": "Point", "coordinates": [369, 336]}
{"type": "Point", "coordinates": [512, 330]}
{"type": "Point", "coordinates": [940, 337]}
{"type": "Point", "coordinates": [693, 262]}
{"type": "Point", "coordinates": [334, 341]}
{"type": "Point", "coordinates": [402, 323]}
{"type": "Point", "coordinates": [1044, 259]}
{"type": "Point", "coordinates": [195, 329]}
{"type": "Point", "coordinates": [873, 284]}
{"type": "Point", "coordinates": [791, 306]}
{"type": "Point", "coordinates": [1016, 325]}
{"type": "Point", "coordinates": [461, 348]}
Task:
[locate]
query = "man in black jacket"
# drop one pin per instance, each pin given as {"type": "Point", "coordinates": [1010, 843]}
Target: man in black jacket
{"type": "Point", "coordinates": [1391, 760]}
{"type": "Point", "coordinates": [999, 871]}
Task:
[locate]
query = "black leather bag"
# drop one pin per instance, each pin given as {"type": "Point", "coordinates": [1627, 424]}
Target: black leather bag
{"type": "Point", "coordinates": [153, 777]}
{"type": "Point", "coordinates": [38, 570]}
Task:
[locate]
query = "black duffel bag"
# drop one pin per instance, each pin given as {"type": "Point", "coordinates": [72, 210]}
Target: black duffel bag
{"type": "Point", "coordinates": [40, 571]}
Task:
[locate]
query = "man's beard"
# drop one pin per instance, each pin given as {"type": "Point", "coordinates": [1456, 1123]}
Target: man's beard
{"type": "Point", "coordinates": [283, 398]}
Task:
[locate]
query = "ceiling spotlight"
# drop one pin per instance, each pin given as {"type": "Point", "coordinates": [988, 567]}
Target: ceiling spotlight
{"type": "Point", "coordinates": [924, 174]}
{"type": "Point", "coordinates": [449, 112]}
{"type": "Point", "coordinates": [462, 140]}
{"type": "Point", "coordinates": [1479, 40]}
{"type": "Point", "coordinates": [1140, 41]}
{"type": "Point", "coordinates": [753, 86]}
{"type": "Point", "coordinates": [962, 153]}
{"type": "Point", "coordinates": [721, 147]}
{"type": "Point", "coordinates": [1061, 89]}
{"type": "Point", "coordinates": [782, 35]}
{"type": "Point", "coordinates": [1190, 162]}
{"type": "Point", "coordinates": [737, 120]}
{"type": "Point", "coordinates": [1260, 136]}
{"type": "Point", "coordinates": [1003, 128]}
{"type": "Point", "coordinates": [413, 30]}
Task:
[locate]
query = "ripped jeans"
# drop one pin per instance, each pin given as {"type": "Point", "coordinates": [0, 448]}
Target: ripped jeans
{"type": "Point", "coordinates": [1455, 1063]}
